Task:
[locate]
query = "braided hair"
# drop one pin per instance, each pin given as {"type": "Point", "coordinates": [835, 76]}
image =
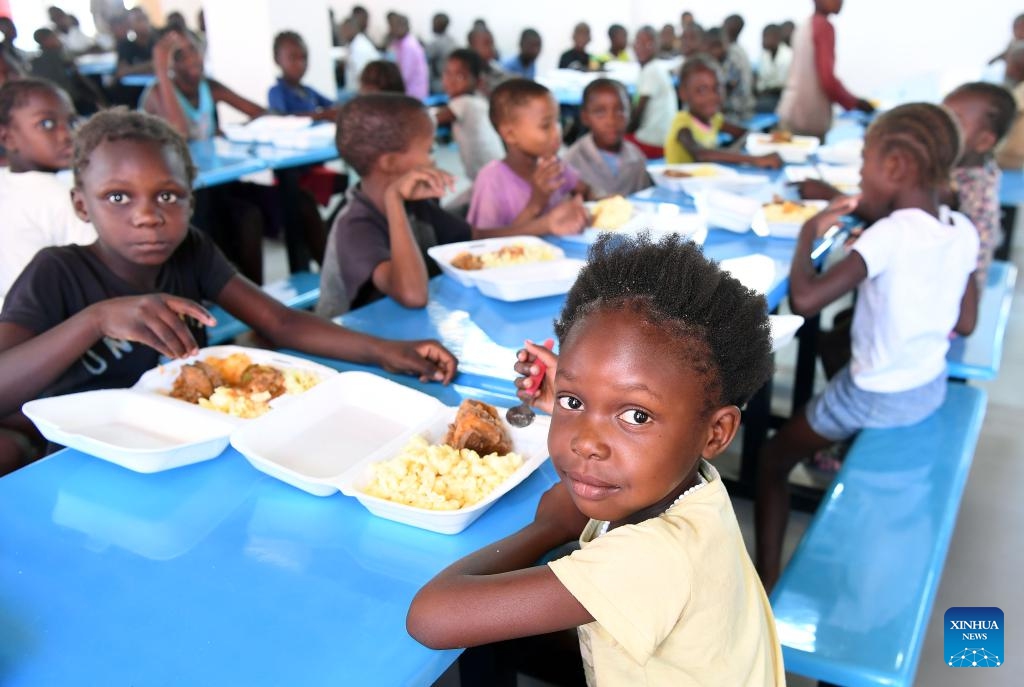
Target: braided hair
{"type": "Point", "coordinates": [927, 133]}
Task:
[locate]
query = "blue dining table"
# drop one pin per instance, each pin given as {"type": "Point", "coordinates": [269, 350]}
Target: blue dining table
{"type": "Point", "coordinates": [217, 574]}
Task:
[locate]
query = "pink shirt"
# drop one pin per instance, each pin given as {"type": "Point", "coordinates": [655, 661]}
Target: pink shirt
{"type": "Point", "coordinates": [499, 195]}
{"type": "Point", "coordinates": [412, 62]}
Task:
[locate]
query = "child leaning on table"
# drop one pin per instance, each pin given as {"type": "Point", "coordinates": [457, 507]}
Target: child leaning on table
{"type": "Point", "coordinates": [608, 163]}
{"type": "Point", "coordinates": [659, 350]}
{"type": "Point", "coordinates": [912, 274]}
{"type": "Point", "coordinates": [289, 95]}
{"type": "Point", "coordinates": [531, 181]}
{"type": "Point", "coordinates": [377, 246]}
{"type": "Point", "coordinates": [99, 316]}
{"type": "Point", "coordinates": [693, 136]}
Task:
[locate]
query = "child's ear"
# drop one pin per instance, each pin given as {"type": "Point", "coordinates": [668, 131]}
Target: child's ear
{"type": "Point", "coordinates": [78, 202]}
{"type": "Point", "coordinates": [897, 166]}
{"type": "Point", "coordinates": [507, 131]}
{"type": "Point", "coordinates": [722, 427]}
{"type": "Point", "coordinates": [387, 163]}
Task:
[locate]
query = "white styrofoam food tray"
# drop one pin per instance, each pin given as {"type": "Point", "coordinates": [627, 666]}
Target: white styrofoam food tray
{"type": "Point", "coordinates": [789, 230]}
{"type": "Point", "coordinates": [328, 442]}
{"type": "Point", "coordinates": [513, 283]}
{"type": "Point", "coordinates": [141, 432]}
{"type": "Point", "coordinates": [784, 328]}
{"type": "Point", "coordinates": [714, 176]}
{"type": "Point", "coordinates": [656, 218]}
{"type": "Point", "coordinates": [756, 271]}
{"type": "Point", "coordinates": [160, 379]}
{"type": "Point", "coordinates": [797, 150]}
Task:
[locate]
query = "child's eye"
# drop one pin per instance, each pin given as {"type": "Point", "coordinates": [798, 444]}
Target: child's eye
{"type": "Point", "coordinates": [48, 124]}
{"type": "Point", "coordinates": [634, 416]}
{"type": "Point", "coordinates": [570, 402]}
{"type": "Point", "coordinates": [167, 197]}
{"type": "Point", "coordinates": [117, 198]}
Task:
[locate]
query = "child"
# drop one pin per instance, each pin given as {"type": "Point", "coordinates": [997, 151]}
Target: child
{"type": "Point", "coordinates": [1018, 35]}
{"type": "Point", "coordinates": [381, 76]}
{"type": "Point", "coordinates": [531, 180]}
{"type": "Point", "coordinates": [1010, 153]}
{"type": "Point", "coordinates": [812, 86]}
{"type": "Point", "coordinates": [54, 65]}
{"type": "Point", "coordinates": [98, 316]}
{"type": "Point", "coordinates": [361, 52]}
{"type": "Point", "coordinates": [289, 95]}
{"type": "Point", "coordinates": [618, 47]}
{"type": "Point", "coordinates": [377, 245]}
{"type": "Point", "coordinates": [577, 57]}
{"type": "Point", "coordinates": [607, 163]}
{"type": "Point", "coordinates": [467, 112]}
{"type": "Point", "coordinates": [438, 50]}
{"type": "Point", "coordinates": [35, 128]}
{"type": "Point", "coordinates": [656, 103]}
{"type": "Point", "coordinates": [524, 64]}
{"type": "Point", "coordinates": [912, 272]}
{"type": "Point", "coordinates": [481, 41]}
{"type": "Point", "coordinates": [668, 43]}
{"type": "Point", "coordinates": [659, 350]}
{"type": "Point", "coordinates": [737, 75]}
{"type": "Point", "coordinates": [411, 59]}
{"type": "Point", "coordinates": [773, 68]}
{"type": "Point", "coordinates": [693, 136]}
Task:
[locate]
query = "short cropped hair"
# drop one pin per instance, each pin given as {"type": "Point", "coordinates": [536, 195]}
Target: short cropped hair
{"type": "Point", "coordinates": [701, 62]}
{"type": "Point", "coordinates": [512, 94]}
{"type": "Point", "coordinates": [374, 124]}
{"type": "Point", "coordinates": [1000, 106]}
{"type": "Point", "coordinates": [122, 124]}
{"type": "Point", "coordinates": [604, 84]}
{"type": "Point", "coordinates": [287, 37]}
{"type": "Point", "coordinates": [384, 75]}
{"type": "Point", "coordinates": [721, 326]}
{"type": "Point", "coordinates": [470, 60]}
{"type": "Point", "coordinates": [928, 133]}
{"type": "Point", "coordinates": [14, 94]}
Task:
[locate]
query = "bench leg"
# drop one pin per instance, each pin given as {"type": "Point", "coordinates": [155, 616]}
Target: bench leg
{"type": "Point", "coordinates": [1008, 220]}
{"type": "Point", "coordinates": [806, 362]}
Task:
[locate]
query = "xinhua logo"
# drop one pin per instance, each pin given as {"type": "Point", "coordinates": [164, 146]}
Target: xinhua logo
{"type": "Point", "coordinates": [974, 637]}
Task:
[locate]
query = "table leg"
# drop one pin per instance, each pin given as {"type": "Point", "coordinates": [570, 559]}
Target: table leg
{"type": "Point", "coordinates": [1008, 220]}
{"type": "Point", "coordinates": [806, 362]}
{"type": "Point", "coordinates": [292, 219]}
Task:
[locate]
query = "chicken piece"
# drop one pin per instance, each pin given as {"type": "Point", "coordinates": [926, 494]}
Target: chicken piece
{"type": "Point", "coordinates": [196, 381]}
{"type": "Point", "coordinates": [467, 261]}
{"type": "Point", "coordinates": [260, 378]}
{"type": "Point", "coordinates": [478, 427]}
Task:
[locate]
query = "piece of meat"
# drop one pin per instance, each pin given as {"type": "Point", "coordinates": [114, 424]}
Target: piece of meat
{"type": "Point", "coordinates": [478, 426]}
{"type": "Point", "coordinates": [196, 381]}
{"type": "Point", "coordinates": [259, 378]}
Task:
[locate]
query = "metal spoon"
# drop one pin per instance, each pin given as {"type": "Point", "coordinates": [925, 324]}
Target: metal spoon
{"type": "Point", "coordinates": [522, 415]}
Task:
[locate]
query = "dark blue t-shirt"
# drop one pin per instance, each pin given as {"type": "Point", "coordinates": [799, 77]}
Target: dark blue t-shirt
{"type": "Point", "coordinates": [285, 99]}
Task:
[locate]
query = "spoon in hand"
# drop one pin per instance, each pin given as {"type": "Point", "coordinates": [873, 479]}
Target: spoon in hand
{"type": "Point", "coordinates": [522, 415]}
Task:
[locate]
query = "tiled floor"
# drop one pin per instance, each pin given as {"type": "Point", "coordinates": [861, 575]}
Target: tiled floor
{"type": "Point", "coordinates": [986, 556]}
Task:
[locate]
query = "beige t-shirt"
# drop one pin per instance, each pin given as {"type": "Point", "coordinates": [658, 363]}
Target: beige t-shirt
{"type": "Point", "coordinates": [676, 600]}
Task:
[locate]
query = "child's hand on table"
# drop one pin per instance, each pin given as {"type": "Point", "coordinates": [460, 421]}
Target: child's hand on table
{"type": "Point", "coordinates": [769, 161]}
{"type": "Point", "coordinates": [568, 217]}
{"type": "Point", "coordinates": [558, 512]}
{"type": "Point", "coordinates": [816, 189]}
{"type": "Point", "coordinates": [426, 359]}
{"type": "Point", "coordinates": [422, 183]}
{"type": "Point", "coordinates": [542, 397]}
{"type": "Point", "coordinates": [155, 320]}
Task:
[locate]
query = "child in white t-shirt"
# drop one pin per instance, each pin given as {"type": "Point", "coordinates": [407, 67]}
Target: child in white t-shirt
{"type": "Point", "coordinates": [656, 103]}
{"type": "Point", "coordinates": [659, 350]}
{"type": "Point", "coordinates": [912, 271]}
{"type": "Point", "coordinates": [35, 127]}
{"type": "Point", "coordinates": [468, 112]}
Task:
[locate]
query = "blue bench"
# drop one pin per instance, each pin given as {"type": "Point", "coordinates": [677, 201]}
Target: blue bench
{"type": "Point", "coordinates": [977, 356]}
{"type": "Point", "coordinates": [853, 605]}
{"type": "Point", "coordinates": [301, 290]}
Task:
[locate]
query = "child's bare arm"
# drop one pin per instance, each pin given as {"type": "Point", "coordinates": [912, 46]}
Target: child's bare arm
{"type": "Point", "coordinates": [162, 101]}
{"type": "Point", "coordinates": [810, 291]}
{"type": "Point", "coordinates": [568, 217]}
{"type": "Point", "coordinates": [443, 115]}
{"type": "Point", "coordinates": [495, 594]}
{"type": "Point", "coordinates": [737, 132]}
{"type": "Point", "coordinates": [404, 276]}
{"type": "Point", "coordinates": [968, 319]}
{"type": "Point", "coordinates": [29, 363]}
{"type": "Point", "coordinates": [223, 94]}
{"type": "Point", "coordinates": [637, 117]}
{"type": "Point", "coordinates": [702, 154]}
{"type": "Point", "coordinates": [287, 327]}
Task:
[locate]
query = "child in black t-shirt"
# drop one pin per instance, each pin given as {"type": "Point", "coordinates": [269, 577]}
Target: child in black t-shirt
{"type": "Point", "coordinates": [98, 316]}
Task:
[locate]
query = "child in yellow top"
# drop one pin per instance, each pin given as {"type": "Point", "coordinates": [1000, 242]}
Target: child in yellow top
{"type": "Point", "coordinates": [659, 350]}
{"type": "Point", "coordinates": [693, 136]}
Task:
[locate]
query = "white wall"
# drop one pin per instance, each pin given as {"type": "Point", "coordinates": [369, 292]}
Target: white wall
{"type": "Point", "coordinates": [881, 43]}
